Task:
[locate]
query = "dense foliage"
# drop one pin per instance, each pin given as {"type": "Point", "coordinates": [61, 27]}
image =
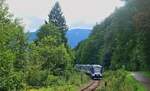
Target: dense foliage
{"type": "Point", "coordinates": [45, 62]}
{"type": "Point", "coordinates": [121, 40]}
{"type": "Point", "coordinates": [50, 59]}
{"type": "Point", "coordinates": [12, 51]}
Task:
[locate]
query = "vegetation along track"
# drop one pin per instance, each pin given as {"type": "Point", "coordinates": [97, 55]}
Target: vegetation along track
{"type": "Point", "coordinates": [91, 86]}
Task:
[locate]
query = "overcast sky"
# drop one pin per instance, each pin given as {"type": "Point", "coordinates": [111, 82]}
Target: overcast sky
{"type": "Point", "coordinates": [78, 13]}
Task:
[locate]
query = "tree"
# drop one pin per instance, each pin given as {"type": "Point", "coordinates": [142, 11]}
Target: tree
{"type": "Point", "coordinates": [50, 30]}
{"type": "Point", "coordinates": [56, 17]}
{"type": "Point", "coordinates": [50, 45]}
{"type": "Point", "coordinates": [48, 56]}
{"type": "Point", "coordinates": [10, 45]}
{"type": "Point", "coordinates": [141, 20]}
{"type": "Point", "coordinates": [123, 38]}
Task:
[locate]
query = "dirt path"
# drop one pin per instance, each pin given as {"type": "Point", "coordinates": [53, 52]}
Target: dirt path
{"type": "Point", "coordinates": [91, 86]}
{"type": "Point", "coordinates": [141, 78]}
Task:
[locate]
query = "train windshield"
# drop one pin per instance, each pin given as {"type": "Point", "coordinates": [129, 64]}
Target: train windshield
{"type": "Point", "coordinates": [97, 69]}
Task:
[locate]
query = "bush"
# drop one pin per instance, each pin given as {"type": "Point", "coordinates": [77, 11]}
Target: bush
{"type": "Point", "coordinates": [37, 78]}
{"type": "Point", "coordinates": [51, 80]}
{"type": "Point", "coordinates": [12, 82]}
{"type": "Point", "coordinates": [56, 83]}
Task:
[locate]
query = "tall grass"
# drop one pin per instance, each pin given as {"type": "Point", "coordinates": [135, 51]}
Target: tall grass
{"type": "Point", "coordinates": [74, 83]}
{"type": "Point", "coordinates": [119, 80]}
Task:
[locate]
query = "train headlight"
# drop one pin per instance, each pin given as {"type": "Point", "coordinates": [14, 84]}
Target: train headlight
{"type": "Point", "coordinates": [93, 74]}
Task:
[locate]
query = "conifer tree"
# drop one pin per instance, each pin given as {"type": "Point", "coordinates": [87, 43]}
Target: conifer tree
{"type": "Point", "coordinates": [56, 16]}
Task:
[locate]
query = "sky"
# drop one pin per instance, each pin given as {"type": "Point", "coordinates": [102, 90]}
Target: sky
{"type": "Point", "coordinates": [78, 13]}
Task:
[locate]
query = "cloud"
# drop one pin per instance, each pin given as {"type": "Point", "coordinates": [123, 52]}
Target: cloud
{"type": "Point", "coordinates": [24, 8]}
{"type": "Point", "coordinates": [32, 23]}
{"type": "Point", "coordinates": [87, 12]}
{"type": "Point", "coordinates": [32, 12]}
{"type": "Point", "coordinates": [78, 13]}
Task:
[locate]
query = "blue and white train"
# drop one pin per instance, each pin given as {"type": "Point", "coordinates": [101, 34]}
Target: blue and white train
{"type": "Point", "coordinates": [95, 71]}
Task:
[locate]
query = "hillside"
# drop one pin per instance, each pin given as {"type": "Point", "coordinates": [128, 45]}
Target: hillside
{"type": "Point", "coordinates": [74, 36]}
{"type": "Point", "coordinates": [32, 36]}
{"type": "Point", "coordinates": [121, 40]}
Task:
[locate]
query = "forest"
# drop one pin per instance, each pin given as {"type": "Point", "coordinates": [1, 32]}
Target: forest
{"type": "Point", "coordinates": [120, 44]}
{"type": "Point", "coordinates": [121, 40]}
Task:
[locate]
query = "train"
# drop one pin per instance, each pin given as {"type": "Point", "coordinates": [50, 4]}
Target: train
{"type": "Point", "coordinates": [95, 71]}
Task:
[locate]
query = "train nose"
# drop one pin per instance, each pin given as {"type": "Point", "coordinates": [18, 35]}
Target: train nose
{"type": "Point", "coordinates": [96, 76]}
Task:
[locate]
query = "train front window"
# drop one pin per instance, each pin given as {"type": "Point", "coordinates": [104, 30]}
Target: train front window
{"type": "Point", "coordinates": [97, 69]}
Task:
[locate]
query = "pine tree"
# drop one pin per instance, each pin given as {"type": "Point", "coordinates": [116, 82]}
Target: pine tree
{"type": "Point", "coordinates": [56, 17]}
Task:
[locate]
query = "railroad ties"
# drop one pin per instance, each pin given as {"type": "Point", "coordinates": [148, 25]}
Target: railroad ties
{"type": "Point", "coordinates": [91, 86]}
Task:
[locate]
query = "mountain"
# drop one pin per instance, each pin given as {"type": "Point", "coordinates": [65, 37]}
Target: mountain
{"type": "Point", "coordinates": [74, 36]}
{"type": "Point", "coordinates": [32, 36]}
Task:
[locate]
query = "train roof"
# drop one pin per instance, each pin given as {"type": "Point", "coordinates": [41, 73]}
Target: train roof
{"type": "Point", "coordinates": [95, 65]}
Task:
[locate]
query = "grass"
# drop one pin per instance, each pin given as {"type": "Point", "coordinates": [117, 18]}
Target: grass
{"type": "Point", "coordinates": [134, 84]}
{"type": "Point", "coordinates": [146, 73]}
{"type": "Point", "coordinates": [119, 80]}
{"type": "Point", "coordinates": [57, 88]}
{"type": "Point", "coordinates": [73, 84]}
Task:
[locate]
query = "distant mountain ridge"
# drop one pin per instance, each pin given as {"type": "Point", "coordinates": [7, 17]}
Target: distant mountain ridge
{"type": "Point", "coordinates": [74, 36]}
{"type": "Point", "coordinates": [32, 36]}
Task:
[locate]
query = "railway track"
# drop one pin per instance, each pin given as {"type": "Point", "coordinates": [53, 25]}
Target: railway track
{"type": "Point", "coordinates": [91, 86]}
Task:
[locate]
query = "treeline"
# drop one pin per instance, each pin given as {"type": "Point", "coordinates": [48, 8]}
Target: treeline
{"type": "Point", "coordinates": [46, 61]}
{"type": "Point", "coordinates": [121, 40]}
